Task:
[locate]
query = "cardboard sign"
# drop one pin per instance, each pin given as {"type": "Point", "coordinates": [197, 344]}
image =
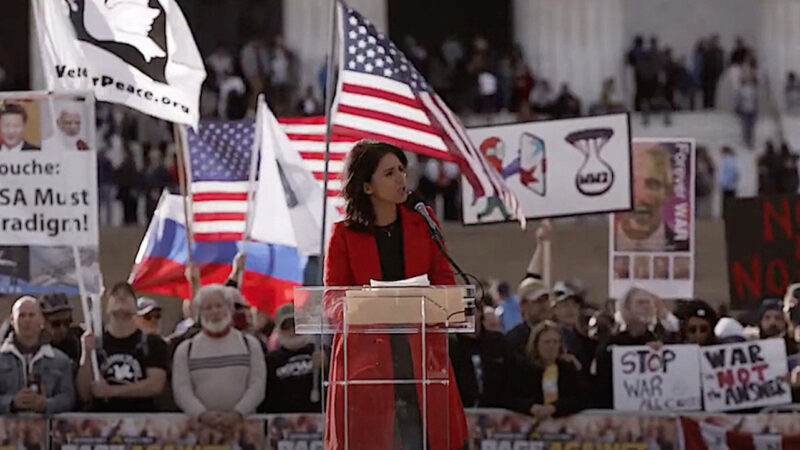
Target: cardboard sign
{"type": "Point", "coordinates": [667, 379]}
{"type": "Point", "coordinates": [555, 167]}
{"type": "Point", "coordinates": [48, 194]}
{"type": "Point", "coordinates": [745, 375]}
{"type": "Point", "coordinates": [763, 237]}
{"type": "Point", "coordinates": [652, 246]}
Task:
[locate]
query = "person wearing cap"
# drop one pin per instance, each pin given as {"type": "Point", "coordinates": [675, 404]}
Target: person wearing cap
{"type": "Point", "coordinates": [772, 324]}
{"type": "Point", "coordinates": [36, 377]}
{"type": "Point", "coordinates": [148, 315]}
{"type": "Point", "coordinates": [698, 320]}
{"type": "Point", "coordinates": [290, 369]}
{"type": "Point", "coordinates": [481, 363]}
{"type": "Point", "coordinates": [566, 307]}
{"type": "Point", "coordinates": [58, 326]}
{"type": "Point", "coordinates": [535, 305]}
{"type": "Point", "coordinates": [729, 330]}
{"type": "Point", "coordinates": [218, 376]}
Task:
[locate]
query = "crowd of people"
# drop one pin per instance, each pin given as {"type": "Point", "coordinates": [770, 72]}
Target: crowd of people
{"type": "Point", "coordinates": [533, 351]}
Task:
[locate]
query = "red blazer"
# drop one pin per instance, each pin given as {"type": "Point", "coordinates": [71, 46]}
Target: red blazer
{"type": "Point", "coordinates": [352, 260]}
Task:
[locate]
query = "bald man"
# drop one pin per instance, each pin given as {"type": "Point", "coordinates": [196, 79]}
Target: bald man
{"type": "Point", "coordinates": [37, 378]}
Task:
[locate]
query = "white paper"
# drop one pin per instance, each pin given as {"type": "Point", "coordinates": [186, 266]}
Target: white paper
{"type": "Point", "coordinates": [421, 280]}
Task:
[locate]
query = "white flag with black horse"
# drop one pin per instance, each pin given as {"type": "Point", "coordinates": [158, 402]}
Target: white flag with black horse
{"type": "Point", "coordinates": [140, 53]}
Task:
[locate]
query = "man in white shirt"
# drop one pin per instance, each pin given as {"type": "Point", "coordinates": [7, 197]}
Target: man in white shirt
{"type": "Point", "coordinates": [12, 129]}
{"type": "Point", "coordinates": [67, 135]}
{"type": "Point", "coordinates": [218, 352]}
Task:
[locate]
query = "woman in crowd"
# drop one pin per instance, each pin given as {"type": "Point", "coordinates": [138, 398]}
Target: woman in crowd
{"type": "Point", "coordinates": [698, 320]}
{"type": "Point", "coordinates": [546, 385]}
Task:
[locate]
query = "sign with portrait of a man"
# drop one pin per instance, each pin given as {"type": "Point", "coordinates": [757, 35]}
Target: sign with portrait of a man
{"type": "Point", "coordinates": [656, 237]}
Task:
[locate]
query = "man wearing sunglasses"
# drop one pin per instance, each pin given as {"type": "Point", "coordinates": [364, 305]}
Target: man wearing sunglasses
{"type": "Point", "coordinates": [58, 325]}
{"type": "Point", "coordinates": [148, 316]}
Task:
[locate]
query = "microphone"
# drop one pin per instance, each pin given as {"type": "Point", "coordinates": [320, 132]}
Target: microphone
{"type": "Point", "coordinates": [415, 202]}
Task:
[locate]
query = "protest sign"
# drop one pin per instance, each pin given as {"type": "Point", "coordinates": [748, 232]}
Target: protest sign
{"type": "Point", "coordinates": [745, 375]}
{"type": "Point", "coordinates": [555, 167]}
{"type": "Point", "coordinates": [497, 429]}
{"type": "Point", "coordinates": [23, 433]}
{"type": "Point", "coordinates": [762, 236]}
{"type": "Point", "coordinates": [667, 379]}
{"type": "Point", "coordinates": [141, 54]}
{"type": "Point", "coordinates": [48, 196]}
{"type": "Point", "coordinates": [652, 246]}
{"type": "Point", "coordinates": [295, 431]}
{"type": "Point", "coordinates": [151, 432]}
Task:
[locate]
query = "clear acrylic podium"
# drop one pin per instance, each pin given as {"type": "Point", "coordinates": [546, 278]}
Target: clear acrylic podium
{"type": "Point", "coordinates": [390, 384]}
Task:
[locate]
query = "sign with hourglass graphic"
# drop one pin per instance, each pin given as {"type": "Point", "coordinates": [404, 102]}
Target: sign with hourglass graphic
{"type": "Point", "coordinates": [557, 168]}
{"type": "Point", "coordinates": [652, 245]}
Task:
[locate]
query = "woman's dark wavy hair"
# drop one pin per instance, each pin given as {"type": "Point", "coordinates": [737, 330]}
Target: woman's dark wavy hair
{"type": "Point", "coordinates": [359, 166]}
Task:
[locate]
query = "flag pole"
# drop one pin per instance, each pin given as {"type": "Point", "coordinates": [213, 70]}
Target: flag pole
{"type": "Point", "coordinates": [182, 184]}
{"type": "Point", "coordinates": [328, 118]}
{"type": "Point", "coordinates": [255, 152]}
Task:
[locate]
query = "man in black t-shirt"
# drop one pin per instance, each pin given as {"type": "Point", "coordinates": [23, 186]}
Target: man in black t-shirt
{"type": "Point", "coordinates": [290, 369]}
{"type": "Point", "coordinates": [133, 365]}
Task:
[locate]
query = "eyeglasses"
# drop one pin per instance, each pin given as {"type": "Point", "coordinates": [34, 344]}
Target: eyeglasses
{"type": "Point", "coordinates": [150, 317]}
{"type": "Point", "coordinates": [65, 323]}
{"type": "Point", "coordinates": [697, 329]}
{"type": "Point", "coordinates": [287, 324]}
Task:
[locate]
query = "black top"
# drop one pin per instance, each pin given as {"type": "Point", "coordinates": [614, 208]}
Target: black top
{"type": "Point", "coordinates": [407, 417]}
{"type": "Point", "coordinates": [126, 360]}
{"type": "Point", "coordinates": [481, 366]}
{"type": "Point", "coordinates": [290, 379]}
{"type": "Point", "coordinates": [389, 239]}
{"type": "Point", "coordinates": [527, 381]}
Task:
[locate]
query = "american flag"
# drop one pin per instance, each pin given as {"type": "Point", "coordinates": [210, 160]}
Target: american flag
{"type": "Point", "coordinates": [382, 96]}
{"type": "Point", "coordinates": [307, 135]}
{"type": "Point", "coordinates": [218, 159]}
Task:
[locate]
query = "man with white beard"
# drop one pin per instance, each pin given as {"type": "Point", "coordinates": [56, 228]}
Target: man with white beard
{"type": "Point", "coordinates": [219, 375]}
{"type": "Point", "coordinates": [67, 133]}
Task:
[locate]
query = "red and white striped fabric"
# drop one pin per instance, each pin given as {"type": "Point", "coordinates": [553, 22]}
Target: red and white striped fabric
{"type": "Point", "coordinates": [307, 135]}
{"type": "Point", "coordinates": [701, 435]}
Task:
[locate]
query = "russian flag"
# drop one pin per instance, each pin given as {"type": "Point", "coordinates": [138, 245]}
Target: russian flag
{"type": "Point", "coordinates": [271, 271]}
{"type": "Point", "coordinates": [286, 224]}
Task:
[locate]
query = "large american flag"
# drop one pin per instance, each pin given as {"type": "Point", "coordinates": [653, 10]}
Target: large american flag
{"type": "Point", "coordinates": [218, 159]}
{"type": "Point", "coordinates": [382, 96]}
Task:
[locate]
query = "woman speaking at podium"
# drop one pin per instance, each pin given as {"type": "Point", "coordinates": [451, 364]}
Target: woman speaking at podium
{"type": "Point", "coordinates": [383, 239]}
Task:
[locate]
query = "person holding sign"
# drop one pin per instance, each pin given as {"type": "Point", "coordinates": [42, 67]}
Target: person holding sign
{"type": "Point", "coordinates": [13, 119]}
{"type": "Point", "coordinates": [641, 320]}
{"type": "Point", "coordinates": [546, 385]}
{"type": "Point", "coordinates": [773, 324]}
{"type": "Point", "coordinates": [133, 365]}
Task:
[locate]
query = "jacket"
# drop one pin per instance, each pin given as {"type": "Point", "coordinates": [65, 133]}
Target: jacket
{"type": "Point", "coordinates": [53, 368]}
{"type": "Point", "coordinates": [527, 386]}
{"type": "Point", "coordinates": [352, 260]}
{"type": "Point", "coordinates": [495, 364]}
